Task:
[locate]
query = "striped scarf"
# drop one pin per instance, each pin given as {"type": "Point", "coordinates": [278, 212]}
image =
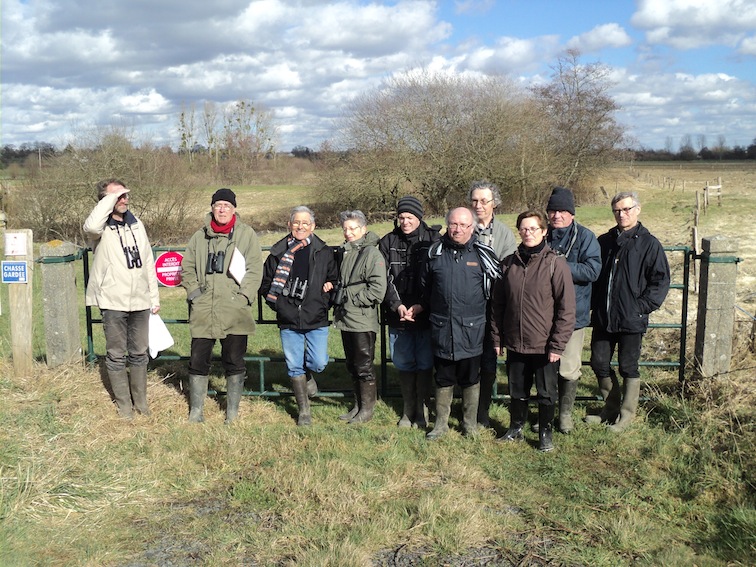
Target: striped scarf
{"type": "Point", "coordinates": [284, 268]}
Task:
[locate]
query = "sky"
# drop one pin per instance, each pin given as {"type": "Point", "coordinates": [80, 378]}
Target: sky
{"type": "Point", "coordinates": [678, 67]}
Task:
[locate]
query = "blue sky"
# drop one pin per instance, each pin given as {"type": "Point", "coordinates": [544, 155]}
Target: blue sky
{"type": "Point", "coordinates": [680, 67]}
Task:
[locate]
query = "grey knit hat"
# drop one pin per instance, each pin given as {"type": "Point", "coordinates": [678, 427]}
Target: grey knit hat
{"type": "Point", "coordinates": [410, 204]}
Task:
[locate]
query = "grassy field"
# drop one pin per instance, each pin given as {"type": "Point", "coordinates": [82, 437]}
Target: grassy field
{"type": "Point", "coordinates": [78, 486]}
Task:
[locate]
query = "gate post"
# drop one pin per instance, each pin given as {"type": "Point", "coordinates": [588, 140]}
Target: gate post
{"type": "Point", "coordinates": [60, 302]}
{"type": "Point", "coordinates": [716, 306]}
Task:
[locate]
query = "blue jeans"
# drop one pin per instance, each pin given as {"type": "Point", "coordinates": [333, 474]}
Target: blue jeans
{"type": "Point", "coordinates": [126, 332]}
{"type": "Point", "coordinates": [411, 349]}
{"type": "Point", "coordinates": [305, 350]}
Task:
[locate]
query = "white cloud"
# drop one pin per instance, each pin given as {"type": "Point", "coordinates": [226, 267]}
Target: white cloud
{"type": "Point", "coordinates": [690, 24]}
{"type": "Point", "coordinates": [748, 46]}
{"type": "Point", "coordinates": [605, 35]}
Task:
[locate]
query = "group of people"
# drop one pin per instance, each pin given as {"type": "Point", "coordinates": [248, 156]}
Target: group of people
{"type": "Point", "coordinates": [454, 303]}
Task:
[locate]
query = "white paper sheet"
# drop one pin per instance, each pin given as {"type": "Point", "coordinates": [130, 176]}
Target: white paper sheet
{"type": "Point", "coordinates": [238, 266]}
{"type": "Point", "coordinates": [160, 337]}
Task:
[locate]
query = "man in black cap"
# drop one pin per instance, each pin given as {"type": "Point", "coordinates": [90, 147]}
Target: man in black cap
{"type": "Point", "coordinates": [580, 248]}
{"type": "Point", "coordinates": [405, 248]}
{"type": "Point", "coordinates": [221, 272]}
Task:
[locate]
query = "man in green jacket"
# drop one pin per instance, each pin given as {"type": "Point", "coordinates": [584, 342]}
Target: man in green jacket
{"type": "Point", "coordinates": [221, 272]}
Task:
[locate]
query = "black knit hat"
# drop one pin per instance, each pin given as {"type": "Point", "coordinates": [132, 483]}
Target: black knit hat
{"type": "Point", "coordinates": [561, 200]}
{"type": "Point", "coordinates": [410, 204]}
{"type": "Point", "coordinates": [224, 195]}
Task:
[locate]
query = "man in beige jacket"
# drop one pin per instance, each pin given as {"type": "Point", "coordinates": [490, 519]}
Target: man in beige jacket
{"type": "Point", "coordinates": [123, 284]}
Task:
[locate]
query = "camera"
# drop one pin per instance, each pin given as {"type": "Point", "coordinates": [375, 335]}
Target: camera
{"type": "Point", "coordinates": [339, 294]}
{"type": "Point", "coordinates": [215, 262]}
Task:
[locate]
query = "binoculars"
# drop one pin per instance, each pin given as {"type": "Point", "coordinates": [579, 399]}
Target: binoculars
{"type": "Point", "coordinates": [215, 262]}
{"type": "Point", "coordinates": [133, 259]}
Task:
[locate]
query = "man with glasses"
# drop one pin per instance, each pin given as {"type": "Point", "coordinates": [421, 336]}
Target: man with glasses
{"type": "Point", "coordinates": [405, 249]}
{"type": "Point", "coordinates": [579, 247]}
{"type": "Point", "coordinates": [633, 282]}
{"type": "Point", "coordinates": [298, 275]}
{"type": "Point", "coordinates": [221, 273]}
{"type": "Point", "coordinates": [123, 284]}
{"type": "Point", "coordinates": [484, 198]}
{"type": "Point", "coordinates": [456, 284]}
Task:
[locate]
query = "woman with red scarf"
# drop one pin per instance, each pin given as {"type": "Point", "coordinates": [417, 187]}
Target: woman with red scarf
{"type": "Point", "coordinates": [221, 272]}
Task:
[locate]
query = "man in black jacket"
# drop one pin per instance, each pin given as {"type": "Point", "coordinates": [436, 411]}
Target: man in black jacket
{"type": "Point", "coordinates": [456, 283]}
{"type": "Point", "coordinates": [633, 282]}
{"type": "Point", "coordinates": [299, 273]}
{"type": "Point", "coordinates": [405, 249]}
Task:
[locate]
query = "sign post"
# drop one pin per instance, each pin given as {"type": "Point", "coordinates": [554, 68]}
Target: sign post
{"type": "Point", "coordinates": [17, 271]}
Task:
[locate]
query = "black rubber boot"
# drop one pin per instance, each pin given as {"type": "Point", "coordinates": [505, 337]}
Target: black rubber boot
{"type": "Point", "coordinates": [299, 385]}
{"type": "Point", "coordinates": [197, 395]}
{"type": "Point", "coordinates": [518, 412]}
{"type": "Point", "coordinates": [368, 395]}
{"type": "Point", "coordinates": [138, 384]}
{"type": "Point", "coordinates": [487, 380]}
{"type": "Point", "coordinates": [119, 383]}
{"type": "Point", "coordinates": [444, 397]}
{"type": "Point", "coordinates": [408, 385]}
{"type": "Point", "coordinates": [348, 416]}
{"type": "Point", "coordinates": [545, 422]}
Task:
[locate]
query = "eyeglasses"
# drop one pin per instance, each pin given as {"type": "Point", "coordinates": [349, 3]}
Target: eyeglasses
{"type": "Point", "coordinates": [123, 197]}
{"type": "Point", "coordinates": [529, 229]}
{"type": "Point", "coordinates": [483, 202]}
{"type": "Point", "coordinates": [303, 224]}
{"type": "Point", "coordinates": [626, 210]}
{"type": "Point", "coordinates": [224, 207]}
{"type": "Point", "coordinates": [456, 225]}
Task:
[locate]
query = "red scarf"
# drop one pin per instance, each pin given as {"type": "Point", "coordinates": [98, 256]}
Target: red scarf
{"type": "Point", "coordinates": [223, 228]}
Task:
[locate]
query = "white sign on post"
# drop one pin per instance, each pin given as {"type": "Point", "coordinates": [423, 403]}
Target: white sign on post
{"type": "Point", "coordinates": [15, 244]}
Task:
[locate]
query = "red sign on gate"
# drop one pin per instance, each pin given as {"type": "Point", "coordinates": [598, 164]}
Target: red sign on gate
{"type": "Point", "coordinates": [168, 268]}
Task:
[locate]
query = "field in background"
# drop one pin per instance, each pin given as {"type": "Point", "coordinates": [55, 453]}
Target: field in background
{"type": "Point", "coordinates": [78, 486]}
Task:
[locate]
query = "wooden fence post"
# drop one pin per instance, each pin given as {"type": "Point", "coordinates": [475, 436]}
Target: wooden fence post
{"type": "Point", "coordinates": [19, 253]}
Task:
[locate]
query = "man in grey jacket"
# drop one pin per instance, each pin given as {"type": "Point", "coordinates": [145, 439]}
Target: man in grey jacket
{"type": "Point", "coordinates": [484, 198]}
{"type": "Point", "coordinates": [124, 286]}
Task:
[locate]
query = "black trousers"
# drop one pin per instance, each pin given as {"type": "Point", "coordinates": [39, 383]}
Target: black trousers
{"type": "Point", "coordinates": [628, 346]}
{"type": "Point", "coordinates": [465, 372]}
{"type": "Point", "coordinates": [359, 351]}
{"type": "Point", "coordinates": [525, 369]}
{"type": "Point", "coordinates": [233, 349]}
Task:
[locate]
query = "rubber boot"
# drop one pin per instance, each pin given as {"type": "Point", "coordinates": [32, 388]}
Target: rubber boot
{"type": "Point", "coordinates": [487, 380]}
{"type": "Point", "coordinates": [234, 388]}
{"type": "Point", "coordinates": [423, 387]}
{"type": "Point", "coordinates": [197, 395]}
{"type": "Point", "coordinates": [368, 395]}
{"type": "Point", "coordinates": [301, 394]}
{"type": "Point", "coordinates": [470, 408]}
{"type": "Point", "coordinates": [312, 385]}
{"type": "Point", "coordinates": [408, 385]}
{"type": "Point", "coordinates": [610, 391]}
{"type": "Point", "coordinates": [518, 412]}
{"type": "Point", "coordinates": [348, 416]}
{"type": "Point", "coordinates": [119, 383]}
{"type": "Point", "coordinates": [629, 405]}
{"type": "Point", "coordinates": [138, 384]}
{"type": "Point", "coordinates": [567, 393]}
{"type": "Point", "coordinates": [444, 398]}
{"type": "Point", "coordinates": [545, 422]}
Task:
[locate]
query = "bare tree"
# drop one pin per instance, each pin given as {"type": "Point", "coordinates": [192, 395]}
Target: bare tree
{"type": "Point", "coordinates": [187, 130]}
{"type": "Point", "coordinates": [584, 132]}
